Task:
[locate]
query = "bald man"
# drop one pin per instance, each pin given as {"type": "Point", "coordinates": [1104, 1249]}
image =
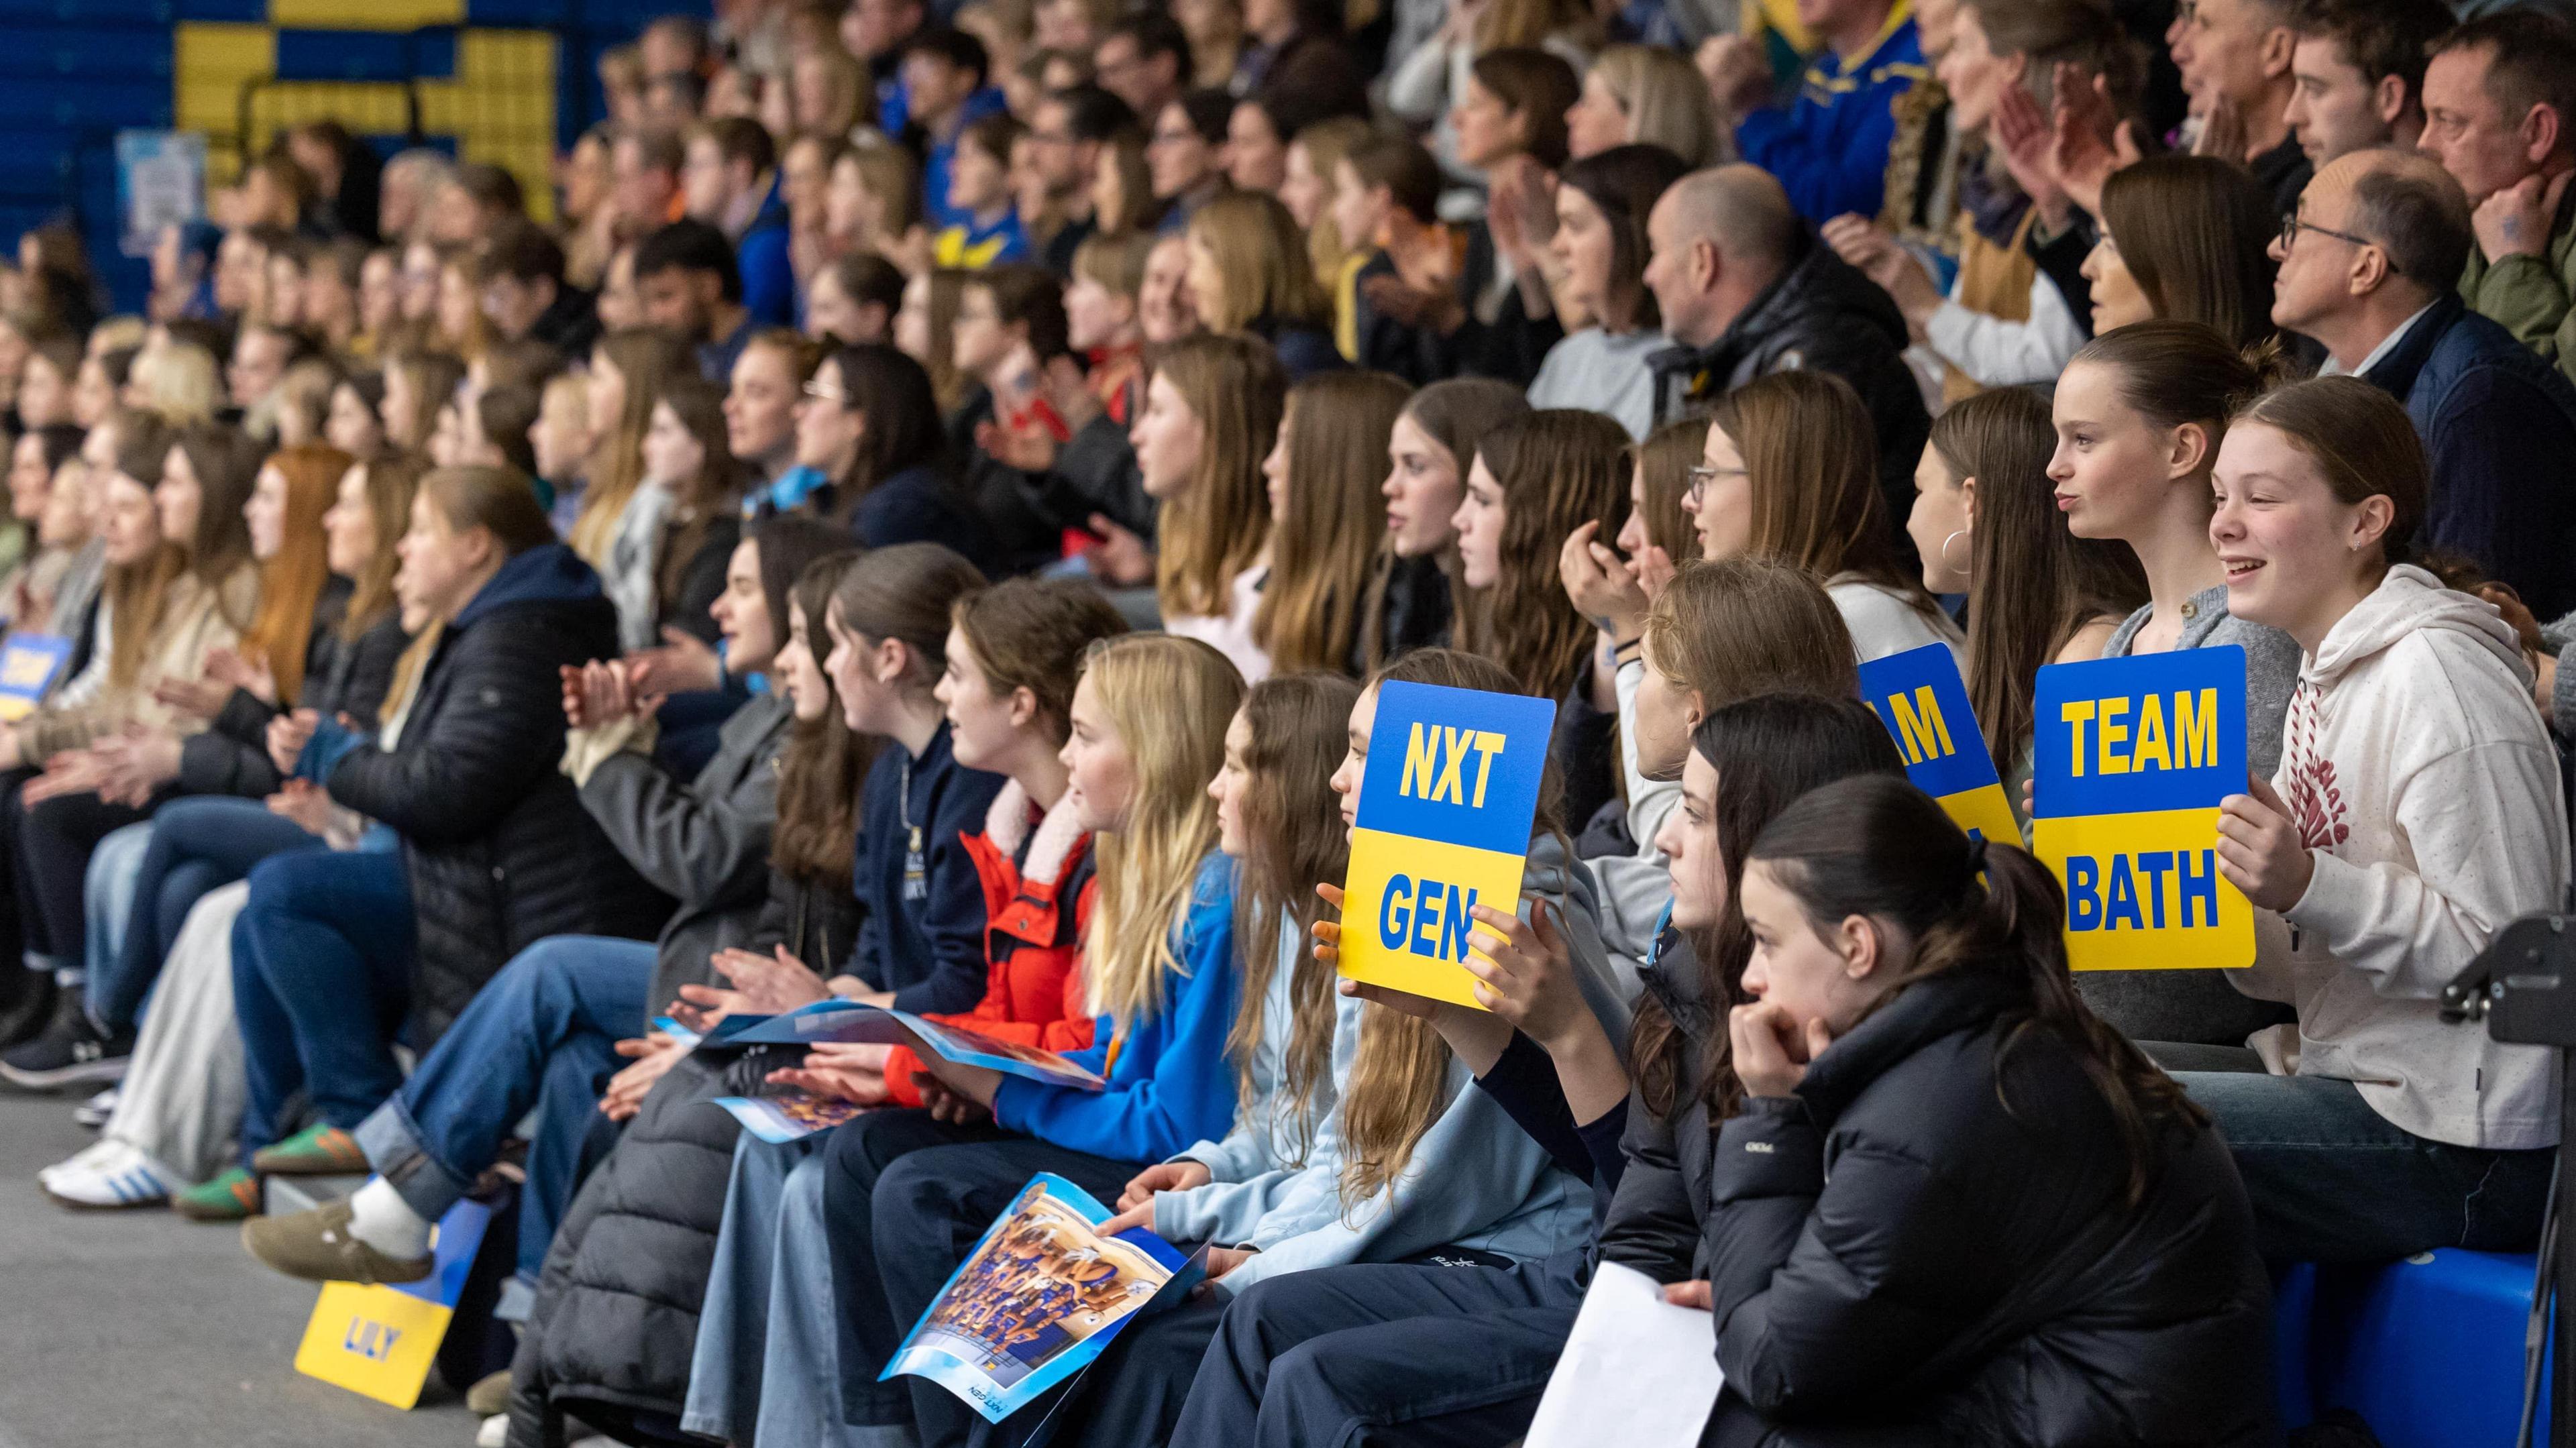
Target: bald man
{"type": "Point", "coordinates": [2369, 267]}
{"type": "Point", "coordinates": [1745, 289]}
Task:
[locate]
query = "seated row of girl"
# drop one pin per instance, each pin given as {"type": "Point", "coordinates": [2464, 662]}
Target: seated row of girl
{"type": "Point", "coordinates": [247, 585]}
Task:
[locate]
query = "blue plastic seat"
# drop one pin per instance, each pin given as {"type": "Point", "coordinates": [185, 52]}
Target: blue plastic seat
{"type": "Point", "coordinates": [2429, 1351]}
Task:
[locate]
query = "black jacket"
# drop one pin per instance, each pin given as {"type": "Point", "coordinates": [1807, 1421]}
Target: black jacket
{"type": "Point", "coordinates": [1823, 316]}
{"type": "Point", "coordinates": [1653, 1222]}
{"type": "Point", "coordinates": [1892, 1244]}
{"type": "Point", "coordinates": [230, 756]}
{"type": "Point", "coordinates": [616, 1315]}
{"type": "Point", "coordinates": [500, 852]}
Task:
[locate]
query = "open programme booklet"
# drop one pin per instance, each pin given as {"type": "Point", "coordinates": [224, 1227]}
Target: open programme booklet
{"type": "Point", "coordinates": [1039, 1298]}
{"type": "Point", "coordinates": [849, 1021]}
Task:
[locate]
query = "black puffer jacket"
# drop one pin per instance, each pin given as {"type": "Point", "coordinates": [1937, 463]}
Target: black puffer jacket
{"type": "Point", "coordinates": [1654, 1220]}
{"type": "Point", "coordinates": [1893, 1245]}
{"type": "Point", "coordinates": [500, 851]}
{"type": "Point", "coordinates": [616, 1315]}
{"type": "Point", "coordinates": [1821, 316]}
{"type": "Point", "coordinates": [230, 756]}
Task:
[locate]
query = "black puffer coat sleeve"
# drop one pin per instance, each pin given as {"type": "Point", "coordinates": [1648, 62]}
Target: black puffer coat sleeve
{"type": "Point", "coordinates": [230, 755]}
{"type": "Point", "coordinates": [500, 735]}
{"type": "Point", "coordinates": [1651, 1226]}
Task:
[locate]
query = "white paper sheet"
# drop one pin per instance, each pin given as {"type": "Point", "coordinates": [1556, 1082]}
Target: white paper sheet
{"type": "Point", "coordinates": [1638, 1371]}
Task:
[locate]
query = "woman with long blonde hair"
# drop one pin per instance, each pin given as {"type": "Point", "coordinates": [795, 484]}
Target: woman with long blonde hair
{"type": "Point", "coordinates": [628, 374]}
{"type": "Point", "coordinates": [1211, 416]}
{"type": "Point", "coordinates": [1149, 721]}
{"type": "Point", "coordinates": [1327, 517]}
{"type": "Point", "coordinates": [1250, 272]}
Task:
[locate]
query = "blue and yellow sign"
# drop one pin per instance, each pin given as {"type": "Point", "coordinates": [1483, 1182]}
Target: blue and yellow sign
{"type": "Point", "coordinates": [1919, 696]}
{"type": "Point", "coordinates": [28, 664]}
{"type": "Point", "coordinates": [2131, 759]}
{"type": "Point", "coordinates": [380, 1342]}
{"type": "Point", "coordinates": [1445, 806]}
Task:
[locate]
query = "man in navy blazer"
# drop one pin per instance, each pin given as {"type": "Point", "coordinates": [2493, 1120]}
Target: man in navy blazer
{"type": "Point", "coordinates": [2369, 267]}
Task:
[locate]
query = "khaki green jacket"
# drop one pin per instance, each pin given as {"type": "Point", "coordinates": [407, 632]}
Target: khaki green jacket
{"type": "Point", "coordinates": [2531, 297]}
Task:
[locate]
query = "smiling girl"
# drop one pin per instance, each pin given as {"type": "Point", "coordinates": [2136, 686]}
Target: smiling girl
{"type": "Point", "coordinates": [2416, 810]}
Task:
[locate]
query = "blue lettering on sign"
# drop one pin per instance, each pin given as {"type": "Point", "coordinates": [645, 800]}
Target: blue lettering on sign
{"type": "Point", "coordinates": [373, 1341]}
{"type": "Point", "coordinates": [1426, 918]}
{"type": "Point", "coordinates": [2128, 891]}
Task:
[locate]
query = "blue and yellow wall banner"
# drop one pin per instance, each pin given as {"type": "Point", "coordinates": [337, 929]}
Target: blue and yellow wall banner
{"type": "Point", "coordinates": [1923, 702]}
{"type": "Point", "coordinates": [381, 1341]}
{"type": "Point", "coordinates": [1445, 806]}
{"type": "Point", "coordinates": [2131, 758]}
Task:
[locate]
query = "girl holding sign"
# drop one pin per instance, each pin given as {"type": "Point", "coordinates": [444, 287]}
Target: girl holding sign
{"type": "Point", "coordinates": [1458, 1352]}
{"type": "Point", "coordinates": [2139, 415]}
{"type": "Point", "coordinates": [2416, 811]}
{"type": "Point", "coordinates": [1401, 1159]}
{"type": "Point", "coordinates": [1149, 722]}
{"type": "Point", "coordinates": [2027, 1235]}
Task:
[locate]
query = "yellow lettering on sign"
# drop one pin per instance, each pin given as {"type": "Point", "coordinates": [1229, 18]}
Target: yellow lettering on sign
{"type": "Point", "coordinates": [1488, 745]}
{"type": "Point", "coordinates": [2196, 732]}
{"type": "Point", "coordinates": [2075, 713]}
{"type": "Point", "coordinates": [2151, 736]}
{"type": "Point", "coordinates": [2107, 734]}
{"type": "Point", "coordinates": [1451, 788]}
{"type": "Point", "coordinates": [1421, 762]}
{"type": "Point", "coordinates": [1920, 727]}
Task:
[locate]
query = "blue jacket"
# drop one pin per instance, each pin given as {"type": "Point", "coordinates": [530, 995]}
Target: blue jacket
{"type": "Point", "coordinates": [1170, 1084]}
{"type": "Point", "coordinates": [2499, 429]}
{"type": "Point", "coordinates": [924, 934]}
{"type": "Point", "coordinates": [917, 505]}
{"type": "Point", "coordinates": [1829, 146]}
{"type": "Point", "coordinates": [768, 277]}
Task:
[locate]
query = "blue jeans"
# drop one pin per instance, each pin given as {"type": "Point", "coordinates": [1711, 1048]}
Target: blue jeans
{"type": "Point", "coordinates": [322, 960]}
{"type": "Point", "coordinates": [107, 898]}
{"type": "Point", "coordinates": [2332, 1180]}
{"type": "Point", "coordinates": [724, 1399]}
{"type": "Point", "coordinates": [196, 844]}
{"type": "Point", "coordinates": [542, 1033]}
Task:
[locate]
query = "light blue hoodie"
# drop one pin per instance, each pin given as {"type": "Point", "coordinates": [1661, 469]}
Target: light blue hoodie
{"type": "Point", "coordinates": [1496, 1189]}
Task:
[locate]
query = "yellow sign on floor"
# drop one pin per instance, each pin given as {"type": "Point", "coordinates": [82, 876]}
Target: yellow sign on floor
{"type": "Point", "coordinates": [382, 1341]}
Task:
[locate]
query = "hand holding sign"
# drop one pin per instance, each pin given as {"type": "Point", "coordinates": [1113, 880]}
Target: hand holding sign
{"type": "Point", "coordinates": [2260, 851]}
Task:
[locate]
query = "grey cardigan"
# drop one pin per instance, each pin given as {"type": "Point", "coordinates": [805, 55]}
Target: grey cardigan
{"type": "Point", "coordinates": [704, 843]}
{"type": "Point", "coordinates": [2200, 1007]}
{"type": "Point", "coordinates": [2271, 666]}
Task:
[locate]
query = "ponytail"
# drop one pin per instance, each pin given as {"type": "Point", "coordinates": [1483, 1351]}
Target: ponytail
{"type": "Point", "coordinates": [1877, 846]}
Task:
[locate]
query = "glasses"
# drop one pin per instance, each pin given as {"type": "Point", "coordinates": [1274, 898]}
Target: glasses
{"type": "Point", "coordinates": [2291, 226]}
{"type": "Point", "coordinates": [1702, 475]}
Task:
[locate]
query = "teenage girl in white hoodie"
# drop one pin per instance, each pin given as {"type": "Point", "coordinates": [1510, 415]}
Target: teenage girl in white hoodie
{"type": "Point", "coordinates": [2416, 811]}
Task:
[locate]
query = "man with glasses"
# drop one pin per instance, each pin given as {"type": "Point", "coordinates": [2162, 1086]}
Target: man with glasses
{"type": "Point", "coordinates": [1065, 139]}
{"type": "Point", "coordinates": [1144, 60]}
{"type": "Point", "coordinates": [2369, 266]}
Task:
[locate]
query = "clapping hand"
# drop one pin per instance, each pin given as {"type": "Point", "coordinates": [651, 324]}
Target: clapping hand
{"type": "Point", "coordinates": [74, 771]}
{"type": "Point", "coordinates": [654, 1054]}
{"type": "Point", "coordinates": [596, 694]}
{"type": "Point", "coordinates": [199, 698]}
{"type": "Point", "coordinates": [851, 1071]}
{"type": "Point", "coordinates": [135, 763]}
{"type": "Point", "coordinates": [683, 665]}
{"type": "Point", "coordinates": [761, 986]}
{"type": "Point", "coordinates": [228, 668]}
{"type": "Point", "coordinates": [287, 736]}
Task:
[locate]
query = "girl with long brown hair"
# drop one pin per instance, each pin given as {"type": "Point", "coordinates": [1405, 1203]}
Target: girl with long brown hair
{"type": "Point", "coordinates": [1211, 416]}
{"type": "Point", "coordinates": [1941, 961]}
{"type": "Point", "coordinates": [2184, 239]}
{"type": "Point", "coordinates": [666, 561]}
{"type": "Point", "coordinates": [1535, 482]}
{"type": "Point", "coordinates": [1414, 594]}
{"type": "Point", "coordinates": [1790, 472]}
{"type": "Point", "coordinates": [1327, 517]}
{"type": "Point", "coordinates": [1986, 524]}
{"type": "Point", "coordinates": [1250, 272]}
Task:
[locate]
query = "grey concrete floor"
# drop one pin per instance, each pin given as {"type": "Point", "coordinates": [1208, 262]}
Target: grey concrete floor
{"type": "Point", "coordinates": [145, 1330]}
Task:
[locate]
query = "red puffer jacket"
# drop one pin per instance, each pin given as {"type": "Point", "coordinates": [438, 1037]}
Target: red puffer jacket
{"type": "Point", "coordinates": [1032, 946]}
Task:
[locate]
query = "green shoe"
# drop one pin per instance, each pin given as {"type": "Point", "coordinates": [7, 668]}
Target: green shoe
{"type": "Point", "coordinates": [315, 1151]}
{"type": "Point", "coordinates": [230, 1197]}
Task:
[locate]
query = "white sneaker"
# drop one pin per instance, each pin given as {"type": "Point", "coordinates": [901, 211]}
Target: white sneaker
{"type": "Point", "coordinates": [108, 1176]}
{"type": "Point", "coordinates": [494, 1433]}
{"type": "Point", "coordinates": [95, 1154]}
{"type": "Point", "coordinates": [94, 1112]}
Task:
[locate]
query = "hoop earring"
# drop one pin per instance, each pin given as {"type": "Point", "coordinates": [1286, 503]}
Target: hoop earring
{"type": "Point", "coordinates": [1954, 537]}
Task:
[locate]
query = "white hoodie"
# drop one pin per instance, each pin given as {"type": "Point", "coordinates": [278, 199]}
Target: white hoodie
{"type": "Point", "coordinates": [2425, 784]}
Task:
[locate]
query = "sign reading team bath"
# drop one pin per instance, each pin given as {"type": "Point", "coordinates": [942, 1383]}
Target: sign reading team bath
{"type": "Point", "coordinates": [1919, 697]}
{"type": "Point", "coordinates": [2132, 757]}
{"type": "Point", "coordinates": [1445, 806]}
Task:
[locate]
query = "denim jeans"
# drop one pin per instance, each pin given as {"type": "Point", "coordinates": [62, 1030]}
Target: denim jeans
{"type": "Point", "coordinates": [197, 844]}
{"type": "Point", "coordinates": [322, 960]}
{"type": "Point", "coordinates": [733, 1318]}
{"type": "Point", "coordinates": [107, 898]}
{"type": "Point", "coordinates": [542, 1033]}
{"type": "Point", "coordinates": [2334, 1181]}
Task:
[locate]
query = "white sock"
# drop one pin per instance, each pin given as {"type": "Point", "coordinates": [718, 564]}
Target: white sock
{"type": "Point", "coordinates": [379, 1217]}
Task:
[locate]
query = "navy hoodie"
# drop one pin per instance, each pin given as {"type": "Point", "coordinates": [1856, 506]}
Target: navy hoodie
{"type": "Point", "coordinates": [924, 934]}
